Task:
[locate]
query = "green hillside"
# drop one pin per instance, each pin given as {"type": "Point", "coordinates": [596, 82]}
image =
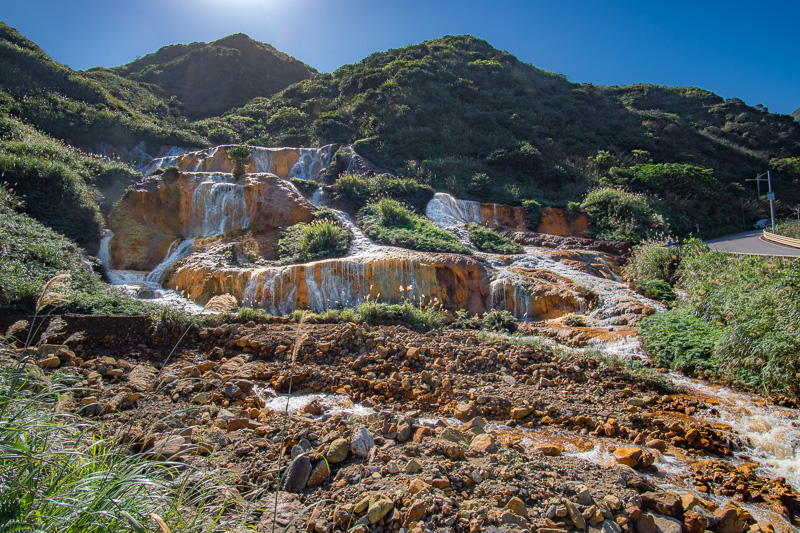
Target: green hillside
{"type": "Point", "coordinates": [211, 78]}
{"type": "Point", "coordinates": [84, 108]}
{"type": "Point", "coordinates": [462, 116]}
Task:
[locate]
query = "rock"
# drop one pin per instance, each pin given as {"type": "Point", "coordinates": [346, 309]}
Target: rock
{"type": "Point", "coordinates": [362, 505]}
{"type": "Point", "coordinates": [465, 411]}
{"type": "Point", "coordinates": [666, 524]}
{"type": "Point", "coordinates": [550, 450]}
{"type": "Point", "coordinates": [483, 444]}
{"type": "Point", "coordinates": [609, 526]}
{"type": "Point", "coordinates": [645, 523]}
{"type": "Point", "coordinates": [417, 485]}
{"type": "Point", "coordinates": [50, 361]}
{"type": "Point", "coordinates": [584, 496]}
{"type": "Point", "coordinates": [404, 431]}
{"type": "Point", "coordinates": [694, 522]}
{"type": "Point", "coordinates": [361, 442]}
{"type": "Point", "coordinates": [92, 409]}
{"type": "Point", "coordinates": [66, 403]}
{"type": "Point", "coordinates": [412, 467]}
{"type": "Point", "coordinates": [521, 412]}
{"type": "Point", "coordinates": [517, 506]}
{"type": "Point", "coordinates": [232, 391]}
{"type": "Point", "coordinates": [508, 517]}
{"type": "Point", "coordinates": [141, 378]}
{"type": "Point", "coordinates": [168, 448]}
{"type": "Point", "coordinates": [319, 474]}
{"type": "Point", "coordinates": [337, 451]}
{"type": "Point", "coordinates": [575, 515]}
{"type": "Point", "coordinates": [628, 456]}
{"type": "Point", "coordinates": [313, 408]}
{"type": "Point", "coordinates": [378, 509]}
{"type": "Point", "coordinates": [727, 519]}
{"type": "Point", "coordinates": [657, 444]}
{"type": "Point", "coordinates": [298, 474]}
{"type": "Point", "coordinates": [215, 439]}
{"type": "Point", "coordinates": [454, 436]}
{"type": "Point", "coordinates": [665, 503]}
{"type": "Point", "coordinates": [476, 423]}
{"type": "Point", "coordinates": [415, 513]}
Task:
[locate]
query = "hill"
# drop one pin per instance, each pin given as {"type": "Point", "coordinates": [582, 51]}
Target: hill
{"type": "Point", "coordinates": [796, 114]}
{"type": "Point", "coordinates": [464, 117]}
{"type": "Point", "coordinates": [86, 109]}
{"type": "Point", "coordinates": [211, 78]}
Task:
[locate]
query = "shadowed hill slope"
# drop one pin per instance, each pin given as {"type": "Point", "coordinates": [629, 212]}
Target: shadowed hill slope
{"type": "Point", "coordinates": [211, 78]}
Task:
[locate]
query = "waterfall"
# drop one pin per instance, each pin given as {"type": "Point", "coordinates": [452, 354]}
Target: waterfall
{"type": "Point", "coordinates": [448, 212]}
{"type": "Point", "coordinates": [177, 251]}
{"type": "Point", "coordinates": [218, 205]}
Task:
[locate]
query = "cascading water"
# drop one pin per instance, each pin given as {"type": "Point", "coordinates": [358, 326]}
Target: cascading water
{"type": "Point", "coordinates": [361, 244]}
{"type": "Point", "coordinates": [218, 205]}
{"type": "Point", "coordinates": [145, 285]}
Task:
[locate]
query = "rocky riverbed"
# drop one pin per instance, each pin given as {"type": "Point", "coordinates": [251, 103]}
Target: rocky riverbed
{"type": "Point", "coordinates": [393, 430]}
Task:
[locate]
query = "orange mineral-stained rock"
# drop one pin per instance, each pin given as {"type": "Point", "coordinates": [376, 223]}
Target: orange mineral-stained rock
{"type": "Point", "coordinates": [554, 222]}
{"type": "Point", "coordinates": [503, 216]}
{"type": "Point", "coordinates": [457, 282]}
{"type": "Point", "coordinates": [162, 209]}
{"type": "Point", "coordinates": [536, 294]}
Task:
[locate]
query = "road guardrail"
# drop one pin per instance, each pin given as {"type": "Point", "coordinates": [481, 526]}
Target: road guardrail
{"type": "Point", "coordinates": [780, 239]}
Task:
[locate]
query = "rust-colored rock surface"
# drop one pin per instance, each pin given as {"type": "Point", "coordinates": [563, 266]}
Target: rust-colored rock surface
{"type": "Point", "coordinates": [457, 282]}
{"type": "Point", "coordinates": [537, 294]}
{"type": "Point", "coordinates": [554, 222]}
{"type": "Point", "coordinates": [173, 206]}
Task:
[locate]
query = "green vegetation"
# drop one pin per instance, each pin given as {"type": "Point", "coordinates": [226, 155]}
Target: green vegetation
{"type": "Point", "coordinates": [788, 228]}
{"type": "Point", "coordinates": [739, 322]}
{"type": "Point", "coordinates": [494, 320]}
{"type": "Point", "coordinates": [211, 78]}
{"type": "Point", "coordinates": [619, 215]}
{"type": "Point", "coordinates": [61, 186]}
{"type": "Point", "coordinates": [239, 155]}
{"type": "Point", "coordinates": [365, 189]}
{"type": "Point", "coordinates": [488, 240]}
{"type": "Point", "coordinates": [391, 222]}
{"type": "Point", "coordinates": [417, 317]}
{"type": "Point", "coordinates": [63, 473]}
{"type": "Point", "coordinates": [574, 321]}
{"type": "Point", "coordinates": [324, 237]}
{"type": "Point", "coordinates": [32, 254]}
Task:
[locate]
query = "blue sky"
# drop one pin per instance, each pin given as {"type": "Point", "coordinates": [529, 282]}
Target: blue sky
{"type": "Point", "coordinates": [749, 50]}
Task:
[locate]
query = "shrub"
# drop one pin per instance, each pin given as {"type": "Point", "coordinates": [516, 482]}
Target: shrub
{"type": "Point", "coordinates": [498, 320]}
{"type": "Point", "coordinates": [618, 215]}
{"type": "Point", "coordinates": [421, 318]}
{"type": "Point", "coordinates": [390, 222]}
{"type": "Point", "coordinates": [465, 320]}
{"type": "Point", "coordinates": [657, 289]}
{"type": "Point", "coordinates": [320, 239]}
{"type": "Point", "coordinates": [488, 240]}
{"type": "Point", "coordinates": [788, 228]}
{"type": "Point", "coordinates": [533, 213]}
{"type": "Point", "coordinates": [365, 189]}
{"type": "Point", "coordinates": [574, 321]}
{"type": "Point", "coordinates": [678, 339]}
{"type": "Point", "coordinates": [239, 155]}
{"type": "Point", "coordinates": [652, 260]}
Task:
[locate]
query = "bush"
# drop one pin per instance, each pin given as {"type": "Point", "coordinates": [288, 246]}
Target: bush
{"type": "Point", "coordinates": [488, 240]}
{"type": "Point", "coordinates": [574, 321]}
{"type": "Point", "coordinates": [652, 260]}
{"type": "Point", "coordinates": [617, 215]}
{"type": "Point", "coordinates": [239, 155]}
{"type": "Point", "coordinates": [497, 320]}
{"type": "Point", "coordinates": [657, 289]}
{"type": "Point", "coordinates": [390, 222]}
{"type": "Point", "coordinates": [320, 239]}
{"type": "Point", "coordinates": [533, 213]}
{"type": "Point", "coordinates": [365, 189]}
{"type": "Point", "coordinates": [465, 320]}
{"type": "Point", "coordinates": [421, 318]}
{"type": "Point", "coordinates": [678, 339]}
{"type": "Point", "coordinates": [788, 228]}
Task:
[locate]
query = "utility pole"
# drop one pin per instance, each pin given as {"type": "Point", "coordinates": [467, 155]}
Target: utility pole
{"type": "Point", "coordinates": [770, 194]}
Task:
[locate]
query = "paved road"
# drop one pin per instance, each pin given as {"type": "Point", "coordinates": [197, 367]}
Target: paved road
{"type": "Point", "coordinates": [750, 242]}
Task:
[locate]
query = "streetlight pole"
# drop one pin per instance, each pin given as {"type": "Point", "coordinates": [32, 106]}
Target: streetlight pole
{"type": "Point", "coordinates": [770, 194]}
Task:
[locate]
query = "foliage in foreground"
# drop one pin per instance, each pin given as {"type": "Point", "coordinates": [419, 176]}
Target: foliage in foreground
{"type": "Point", "coordinates": [488, 240]}
{"type": "Point", "coordinates": [365, 189]}
{"type": "Point", "coordinates": [740, 320]}
{"type": "Point", "coordinates": [390, 222]}
{"type": "Point", "coordinates": [60, 473]}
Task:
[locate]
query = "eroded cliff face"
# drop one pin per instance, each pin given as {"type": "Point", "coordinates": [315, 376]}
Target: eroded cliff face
{"type": "Point", "coordinates": [554, 222]}
{"type": "Point", "coordinates": [174, 205]}
{"type": "Point", "coordinates": [457, 282]}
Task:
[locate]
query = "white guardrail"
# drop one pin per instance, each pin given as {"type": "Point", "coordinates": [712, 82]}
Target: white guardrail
{"type": "Point", "coordinates": [780, 239]}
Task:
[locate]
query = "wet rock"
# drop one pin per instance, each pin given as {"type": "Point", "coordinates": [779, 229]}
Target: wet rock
{"type": "Point", "coordinates": [454, 436]}
{"type": "Point", "coordinates": [694, 522]}
{"type": "Point", "coordinates": [465, 411]}
{"type": "Point", "coordinates": [298, 474]}
{"type": "Point", "coordinates": [726, 519]}
{"type": "Point", "coordinates": [521, 412]}
{"type": "Point", "coordinates": [361, 442]}
{"type": "Point", "coordinates": [550, 450]}
{"type": "Point", "coordinates": [404, 431]}
{"type": "Point", "coordinates": [313, 408]}
{"type": "Point", "coordinates": [657, 444]}
{"type": "Point", "coordinates": [666, 524]}
{"type": "Point", "coordinates": [337, 451]}
{"type": "Point", "coordinates": [319, 474]}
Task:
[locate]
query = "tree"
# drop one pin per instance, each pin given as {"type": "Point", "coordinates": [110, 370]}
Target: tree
{"type": "Point", "coordinates": [239, 155]}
